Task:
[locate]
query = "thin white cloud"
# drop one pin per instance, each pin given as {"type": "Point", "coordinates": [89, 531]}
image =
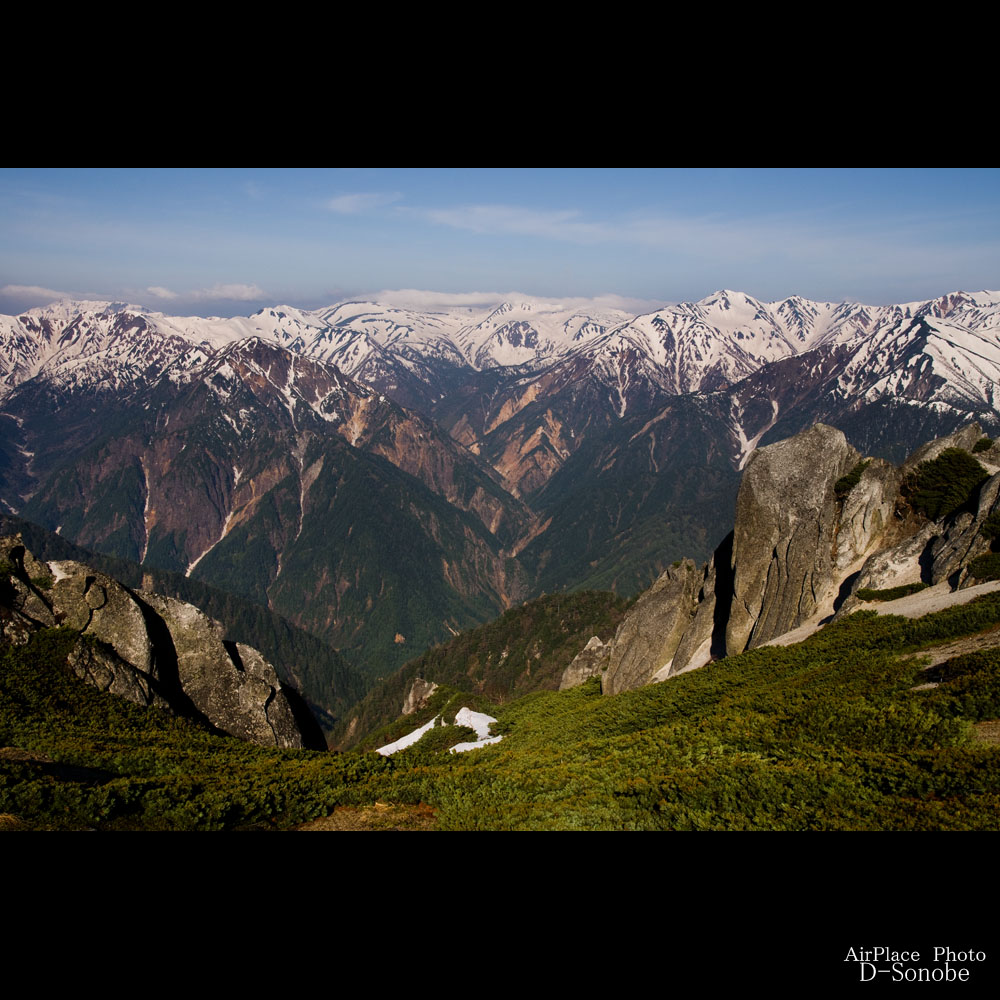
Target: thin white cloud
{"type": "Point", "coordinates": [570, 225]}
{"type": "Point", "coordinates": [513, 220]}
{"type": "Point", "coordinates": [812, 244]}
{"type": "Point", "coordinates": [158, 291]}
{"type": "Point", "coordinates": [353, 204]}
{"type": "Point", "coordinates": [413, 298]}
{"type": "Point", "coordinates": [232, 293]}
{"type": "Point", "coordinates": [35, 291]}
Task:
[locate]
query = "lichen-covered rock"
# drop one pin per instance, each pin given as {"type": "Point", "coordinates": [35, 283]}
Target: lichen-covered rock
{"type": "Point", "coordinates": [418, 695]}
{"type": "Point", "coordinates": [589, 662]}
{"type": "Point", "coordinates": [695, 648]}
{"type": "Point", "coordinates": [150, 649]}
{"type": "Point", "coordinates": [867, 512]}
{"type": "Point", "coordinates": [783, 544]}
{"type": "Point", "coordinates": [965, 438]}
{"type": "Point", "coordinates": [100, 606]}
{"type": "Point", "coordinates": [648, 637]}
{"type": "Point", "coordinates": [100, 665]}
{"type": "Point", "coordinates": [22, 594]}
{"type": "Point", "coordinates": [230, 684]}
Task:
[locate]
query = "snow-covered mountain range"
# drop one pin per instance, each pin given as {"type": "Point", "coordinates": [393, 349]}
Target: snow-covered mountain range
{"type": "Point", "coordinates": [691, 347]}
{"type": "Point", "coordinates": [528, 445]}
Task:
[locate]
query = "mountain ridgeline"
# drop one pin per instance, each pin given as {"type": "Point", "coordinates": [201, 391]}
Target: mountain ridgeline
{"type": "Point", "coordinates": [385, 477]}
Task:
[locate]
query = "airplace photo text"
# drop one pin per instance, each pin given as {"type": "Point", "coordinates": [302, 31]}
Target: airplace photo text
{"type": "Point", "coordinates": [941, 964]}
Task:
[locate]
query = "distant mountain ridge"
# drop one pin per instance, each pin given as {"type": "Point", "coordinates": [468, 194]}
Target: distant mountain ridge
{"type": "Point", "coordinates": [387, 476]}
{"type": "Point", "coordinates": [692, 346]}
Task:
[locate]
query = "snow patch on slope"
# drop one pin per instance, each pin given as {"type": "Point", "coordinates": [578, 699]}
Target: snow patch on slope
{"type": "Point", "coordinates": [408, 740]}
{"type": "Point", "coordinates": [478, 721]}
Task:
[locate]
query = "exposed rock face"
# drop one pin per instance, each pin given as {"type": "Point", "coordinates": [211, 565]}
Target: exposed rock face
{"type": "Point", "coordinates": [963, 541]}
{"type": "Point", "coordinates": [24, 607]}
{"type": "Point", "coordinates": [231, 684]}
{"type": "Point", "coordinates": [648, 638]}
{"type": "Point", "coordinates": [418, 695]}
{"type": "Point", "coordinates": [867, 513]}
{"type": "Point", "coordinates": [101, 666]}
{"type": "Point", "coordinates": [784, 534]}
{"type": "Point", "coordinates": [797, 551]}
{"type": "Point", "coordinates": [934, 551]}
{"type": "Point", "coordinates": [898, 565]}
{"type": "Point", "coordinates": [965, 437]}
{"type": "Point", "coordinates": [695, 648]}
{"type": "Point", "coordinates": [589, 662]}
{"type": "Point", "coordinates": [105, 610]}
{"type": "Point", "coordinates": [152, 650]}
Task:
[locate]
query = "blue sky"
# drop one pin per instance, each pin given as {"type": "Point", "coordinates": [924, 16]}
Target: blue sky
{"type": "Point", "coordinates": [230, 241]}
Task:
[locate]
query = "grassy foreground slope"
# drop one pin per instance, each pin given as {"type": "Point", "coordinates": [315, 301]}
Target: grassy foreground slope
{"type": "Point", "coordinates": [827, 734]}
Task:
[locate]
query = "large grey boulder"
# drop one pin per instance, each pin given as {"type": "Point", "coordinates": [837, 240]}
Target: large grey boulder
{"type": "Point", "coordinates": [589, 662]}
{"type": "Point", "coordinates": [102, 608]}
{"type": "Point", "coordinates": [647, 639]}
{"type": "Point", "coordinates": [784, 536]}
{"type": "Point", "coordinates": [230, 684]}
{"type": "Point", "coordinates": [419, 694]}
{"type": "Point", "coordinates": [867, 513]}
{"type": "Point", "coordinates": [695, 648]}
{"type": "Point", "coordinates": [150, 649]}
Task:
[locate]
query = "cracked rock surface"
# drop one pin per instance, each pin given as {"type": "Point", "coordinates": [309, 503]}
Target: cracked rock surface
{"type": "Point", "coordinates": [148, 648]}
{"type": "Point", "coordinates": [784, 536]}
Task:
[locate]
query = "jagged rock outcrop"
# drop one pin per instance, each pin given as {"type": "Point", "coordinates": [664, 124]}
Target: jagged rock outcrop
{"type": "Point", "coordinates": [647, 639]}
{"type": "Point", "coordinates": [229, 683]}
{"type": "Point", "coordinates": [419, 694]}
{"type": "Point", "coordinates": [867, 514]}
{"type": "Point", "coordinates": [695, 648]}
{"type": "Point", "coordinates": [964, 539]}
{"type": "Point", "coordinates": [589, 662]}
{"type": "Point", "coordinates": [965, 437]}
{"type": "Point", "coordinates": [807, 537]}
{"type": "Point", "coordinates": [150, 649]}
{"type": "Point", "coordinates": [932, 552]}
{"type": "Point", "coordinates": [22, 605]}
{"type": "Point", "coordinates": [103, 609]}
{"type": "Point", "coordinates": [784, 535]}
{"type": "Point", "coordinates": [895, 566]}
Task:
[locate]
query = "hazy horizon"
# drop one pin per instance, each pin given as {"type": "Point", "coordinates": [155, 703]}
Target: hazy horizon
{"type": "Point", "coordinates": [228, 242]}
